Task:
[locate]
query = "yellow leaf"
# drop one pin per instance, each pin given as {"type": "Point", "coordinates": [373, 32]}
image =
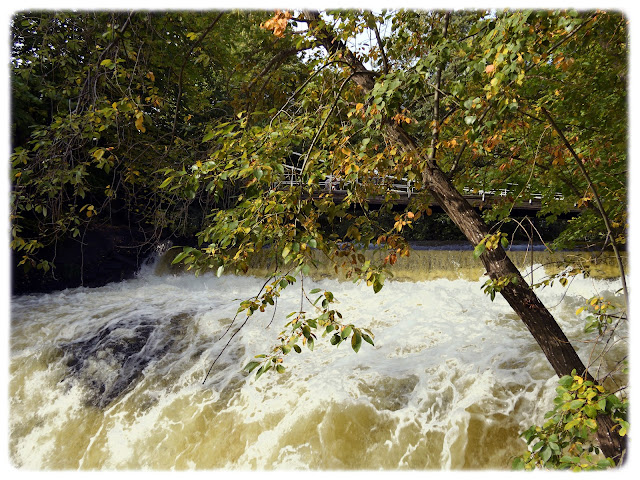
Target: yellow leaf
{"type": "Point", "coordinates": [277, 23]}
{"type": "Point", "coordinates": [140, 122]}
{"type": "Point", "coordinates": [359, 106]}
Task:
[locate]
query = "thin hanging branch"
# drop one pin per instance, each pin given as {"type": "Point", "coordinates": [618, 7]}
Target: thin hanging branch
{"type": "Point", "coordinates": [603, 213]}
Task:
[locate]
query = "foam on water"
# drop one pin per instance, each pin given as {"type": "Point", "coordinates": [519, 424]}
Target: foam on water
{"type": "Point", "coordinates": [452, 380]}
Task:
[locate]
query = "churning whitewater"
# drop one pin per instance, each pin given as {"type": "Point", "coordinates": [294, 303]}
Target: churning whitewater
{"type": "Point", "coordinates": [112, 377]}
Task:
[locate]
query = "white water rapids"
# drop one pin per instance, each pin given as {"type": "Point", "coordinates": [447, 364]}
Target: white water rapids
{"type": "Point", "coordinates": [111, 377]}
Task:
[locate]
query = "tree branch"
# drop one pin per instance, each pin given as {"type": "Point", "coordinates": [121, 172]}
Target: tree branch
{"type": "Point", "coordinates": [601, 209]}
{"type": "Point", "coordinates": [385, 61]}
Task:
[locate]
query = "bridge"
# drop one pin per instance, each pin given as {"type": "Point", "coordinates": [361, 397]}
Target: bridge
{"type": "Point", "coordinates": [405, 189]}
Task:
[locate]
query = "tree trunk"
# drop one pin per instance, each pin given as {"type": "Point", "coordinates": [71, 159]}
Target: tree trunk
{"type": "Point", "coordinates": [541, 324]}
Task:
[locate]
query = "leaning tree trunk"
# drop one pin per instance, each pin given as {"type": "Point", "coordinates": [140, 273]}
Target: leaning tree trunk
{"type": "Point", "coordinates": [541, 324]}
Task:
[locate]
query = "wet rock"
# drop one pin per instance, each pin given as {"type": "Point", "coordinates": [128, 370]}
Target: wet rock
{"type": "Point", "coordinates": [111, 362]}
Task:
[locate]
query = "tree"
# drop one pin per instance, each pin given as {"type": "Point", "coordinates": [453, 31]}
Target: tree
{"type": "Point", "coordinates": [365, 132]}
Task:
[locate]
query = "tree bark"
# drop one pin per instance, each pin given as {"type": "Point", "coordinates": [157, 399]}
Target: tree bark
{"type": "Point", "coordinates": [522, 299]}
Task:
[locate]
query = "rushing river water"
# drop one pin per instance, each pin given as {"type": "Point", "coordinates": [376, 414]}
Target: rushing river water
{"type": "Point", "coordinates": [112, 377]}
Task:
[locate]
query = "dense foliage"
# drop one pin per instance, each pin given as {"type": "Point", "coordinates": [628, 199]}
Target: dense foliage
{"type": "Point", "coordinates": [102, 102]}
{"type": "Point", "coordinates": [191, 123]}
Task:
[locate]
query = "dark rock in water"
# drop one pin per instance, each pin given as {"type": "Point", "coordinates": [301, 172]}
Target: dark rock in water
{"type": "Point", "coordinates": [111, 362]}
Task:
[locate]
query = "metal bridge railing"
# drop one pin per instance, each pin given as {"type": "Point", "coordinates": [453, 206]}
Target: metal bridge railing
{"type": "Point", "coordinates": [293, 177]}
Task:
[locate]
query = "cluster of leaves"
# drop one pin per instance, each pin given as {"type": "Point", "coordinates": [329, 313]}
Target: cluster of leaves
{"type": "Point", "coordinates": [493, 286]}
{"type": "Point", "coordinates": [567, 438]}
{"type": "Point", "coordinates": [603, 313]}
{"type": "Point", "coordinates": [491, 242]}
{"type": "Point", "coordinates": [299, 331]}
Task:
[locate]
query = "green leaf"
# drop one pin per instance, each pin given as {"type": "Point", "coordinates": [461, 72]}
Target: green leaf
{"type": "Point", "coordinates": [602, 404]}
{"type": "Point", "coordinates": [249, 367]}
{"type": "Point", "coordinates": [479, 250]}
{"type": "Point", "coordinates": [606, 463]}
{"type": "Point", "coordinates": [179, 257]}
{"type": "Point", "coordinates": [575, 404]}
{"type": "Point", "coordinates": [220, 270]}
{"type": "Point", "coordinates": [166, 182]}
{"type": "Point", "coordinates": [517, 464]}
{"type": "Point", "coordinates": [572, 423]}
{"type": "Point", "coordinates": [306, 331]}
{"type": "Point", "coordinates": [263, 369]}
{"type": "Point", "coordinates": [568, 459]}
{"type": "Point", "coordinates": [591, 411]}
{"type": "Point", "coordinates": [546, 454]}
{"type": "Point", "coordinates": [208, 136]}
{"type": "Point", "coordinates": [367, 338]}
{"type": "Point", "coordinates": [625, 427]}
{"type": "Point", "coordinates": [280, 368]}
{"type": "Point", "coordinates": [346, 332]}
{"type": "Point", "coordinates": [591, 423]}
{"type": "Point", "coordinates": [356, 341]}
{"type": "Point", "coordinates": [566, 381]}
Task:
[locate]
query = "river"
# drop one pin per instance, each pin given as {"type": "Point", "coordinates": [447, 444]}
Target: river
{"type": "Point", "coordinates": [111, 377]}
